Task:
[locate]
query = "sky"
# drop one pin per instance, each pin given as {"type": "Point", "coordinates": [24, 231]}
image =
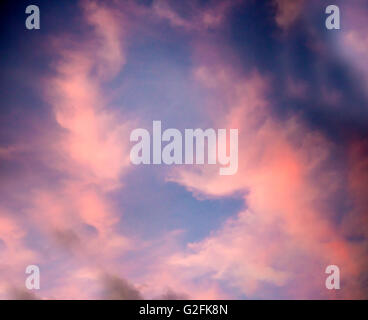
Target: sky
{"type": "Point", "coordinates": [100, 227]}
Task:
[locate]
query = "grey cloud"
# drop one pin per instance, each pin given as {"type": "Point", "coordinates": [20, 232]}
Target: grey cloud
{"type": "Point", "coordinates": [172, 295]}
{"type": "Point", "coordinates": [67, 238]}
{"type": "Point", "coordinates": [22, 294]}
{"type": "Point", "coordinates": [116, 288]}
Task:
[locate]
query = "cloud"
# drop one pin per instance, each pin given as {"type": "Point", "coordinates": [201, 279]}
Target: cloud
{"type": "Point", "coordinates": [291, 178]}
{"type": "Point", "coordinates": [68, 239]}
{"type": "Point", "coordinates": [288, 11]}
{"type": "Point", "coordinates": [352, 42]}
{"type": "Point", "coordinates": [288, 189]}
{"type": "Point", "coordinates": [193, 16]}
{"type": "Point", "coordinates": [357, 220]}
{"type": "Point", "coordinates": [116, 288]}
{"type": "Point", "coordinates": [172, 295]}
{"type": "Point", "coordinates": [14, 257]}
{"type": "Point", "coordinates": [22, 294]}
{"type": "Point", "coordinates": [89, 155]}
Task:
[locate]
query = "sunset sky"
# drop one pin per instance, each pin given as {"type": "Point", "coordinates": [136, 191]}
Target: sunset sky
{"type": "Point", "coordinates": [100, 227]}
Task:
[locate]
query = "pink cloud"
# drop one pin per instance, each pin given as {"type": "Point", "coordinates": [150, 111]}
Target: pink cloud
{"type": "Point", "coordinates": [13, 253]}
{"type": "Point", "coordinates": [288, 11]}
{"type": "Point", "coordinates": [353, 40]}
{"type": "Point", "coordinates": [285, 186]}
{"type": "Point", "coordinates": [91, 153]}
{"type": "Point", "coordinates": [211, 15]}
{"type": "Point", "coordinates": [284, 238]}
